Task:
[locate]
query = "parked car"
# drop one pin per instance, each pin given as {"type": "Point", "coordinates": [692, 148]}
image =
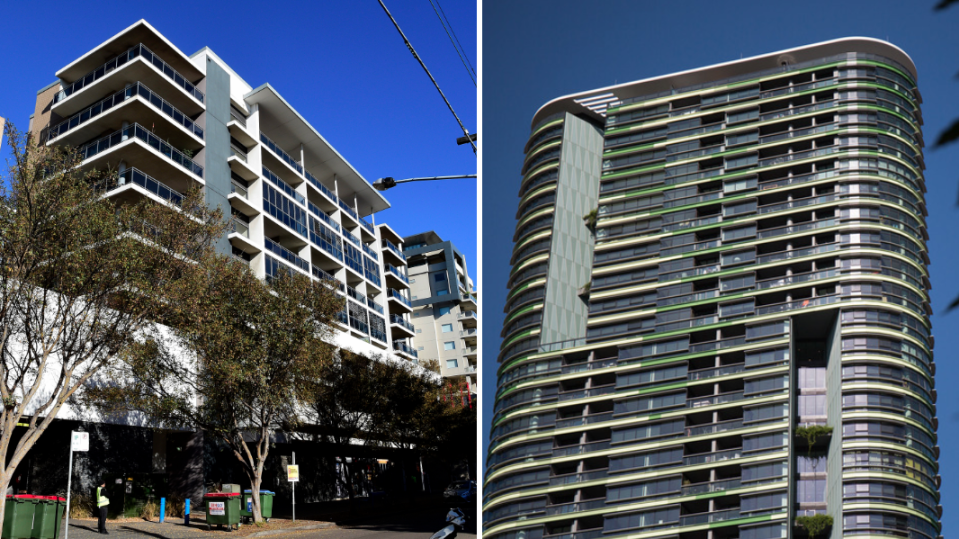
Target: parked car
{"type": "Point", "coordinates": [465, 490]}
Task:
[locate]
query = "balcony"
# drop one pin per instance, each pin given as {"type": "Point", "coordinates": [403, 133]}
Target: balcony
{"type": "Point", "coordinates": [240, 165]}
{"type": "Point", "coordinates": [400, 299]}
{"type": "Point", "coordinates": [578, 477]}
{"type": "Point", "coordinates": [404, 348]}
{"type": "Point", "coordinates": [159, 152]}
{"type": "Point", "coordinates": [394, 251]}
{"type": "Point", "coordinates": [150, 69]}
{"type": "Point", "coordinates": [374, 305]}
{"type": "Point", "coordinates": [132, 176]}
{"type": "Point", "coordinates": [706, 518]}
{"type": "Point", "coordinates": [583, 393]}
{"type": "Point", "coordinates": [281, 155]}
{"type": "Point", "coordinates": [395, 277]}
{"type": "Point", "coordinates": [322, 188]}
{"type": "Point", "coordinates": [580, 449]}
{"type": "Point", "coordinates": [714, 428]}
{"type": "Point", "coordinates": [286, 255]}
{"type": "Point", "coordinates": [347, 210]}
{"type": "Point", "coordinates": [355, 294]}
{"type": "Point", "coordinates": [466, 314]}
{"type": "Point", "coordinates": [575, 507]}
{"type": "Point", "coordinates": [239, 198]}
{"type": "Point", "coordinates": [699, 402]}
{"type": "Point", "coordinates": [715, 486]}
{"type": "Point", "coordinates": [469, 351]}
{"type": "Point", "coordinates": [720, 456]}
{"type": "Point", "coordinates": [584, 420]}
{"type": "Point", "coordinates": [324, 276]}
{"type": "Point", "coordinates": [400, 321]}
{"type": "Point", "coordinates": [139, 104]}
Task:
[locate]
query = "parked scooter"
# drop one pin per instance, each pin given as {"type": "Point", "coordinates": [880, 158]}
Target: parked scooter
{"type": "Point", "coordinates": [456, 520]}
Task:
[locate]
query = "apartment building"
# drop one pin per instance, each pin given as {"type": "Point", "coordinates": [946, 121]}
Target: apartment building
{"type": "Point", "coordinates": [718, 317]}
{"type": "Point", "coordinates": [444, 306]}
{"type": "Point", "coordinates": [166, 122]}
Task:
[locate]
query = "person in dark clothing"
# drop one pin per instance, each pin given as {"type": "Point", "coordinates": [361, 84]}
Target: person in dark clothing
{"type": "Point", "coordinates": [102, 503]}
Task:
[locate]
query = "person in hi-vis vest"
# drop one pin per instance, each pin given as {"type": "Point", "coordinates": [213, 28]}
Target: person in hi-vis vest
{"type": "Point", "coordinates": [102, 503]}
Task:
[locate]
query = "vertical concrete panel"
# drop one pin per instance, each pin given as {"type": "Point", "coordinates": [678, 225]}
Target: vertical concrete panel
{"type": "Point", "coordinates": [571, 251]}
{"type": "Point", "coordinates": [216, 171]}
{"type": "Point", "coordinates": [834, 420]}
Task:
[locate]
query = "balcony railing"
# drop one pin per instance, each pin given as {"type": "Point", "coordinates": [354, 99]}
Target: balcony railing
{"type": "Point", "coordinates": [360, 325]}
{"type": "Point", "coordinates": [378, 335]}
{"type": "Point", "coordinates": [286, 254]}
{"type": "Point", "coordinates": [323, 216]}
{"type": "Point", "coordinates": [396, 271]}
{"type": "Point", "coordinates": [114, 63]}
{"type": "Point", "coordinates": [588, 366]}
{"type": "Point", "coordinates": [466, 314]}
{"type": "Point", "coordinates": [241, 228]}
{"type": "Point", "coordinates": [585, 420]}
{"type": "Point", "coordinates": [575, 507]}
{"type": "Point", "coordinates": [132, 175]}
{"type": "Point", "coordinates": [578, 477]}
{"type": "Point", "coordinates": [469, 350]}
{"type": "Point", "coordinates": [239, 189]}
{"type": "Point", "coordinates": [238, 117]}
{"type": "Point", "coordinates": [583, 393]}
{"type": "Point", "coordinates": [372, 254]}
{"type": "Point", "coordinates": [374, 305]}
{"type": "Point", "coordinates": [699, 402]}
{"type": "Point", "coordinates": [704, 458]}
{"type": "Point", "coordinates": [703, 518]}
{"type": "Point", "coordinates": [349, 211]}
{"type": "Point", "coordinates": [138, 131]}
{"type": "Point", "coordinates": [323, 189]}
{"type": "Point", "coordinates": [395, 249]}
{"type": "Point", "coordinates": [367, 225]}
{"type": "Point", "coordinates": [403, 347]}
{"type": "Point", "coordinates": [581, 448]}
{"type": "Point", "coordinates": [353, 239]}
{"type": "Point", "coordinates": [324, 276]}
{"type": "Point", "coordinates": [236, 152]}
{"type": "Point", "coordinates": [277, 181]}
{"type": "Point", "coordinates": [280, 153]}
{"type": "Point", "coordinates": [115, 100]}
{"type": "Point", "coordinates": [355, 294]}
{"type": "Point", "coordinates": [393, 293]}
{"type": "Point", "coordinates": [471, 332]}
{"type": "Point", "coordinates": [718, 371]}
{"type": "Point", "coordinates": [394, 319]}
{"type": "Point", "coordinates": [713, 428]}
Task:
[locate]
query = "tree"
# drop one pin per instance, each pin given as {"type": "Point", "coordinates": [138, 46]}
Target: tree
{"type": "Point", "coordinates": [80, 278]}
{"type": "Point", "coordinates": [343, 402]}
{"type": "Point", "coordinates": [235, 359]}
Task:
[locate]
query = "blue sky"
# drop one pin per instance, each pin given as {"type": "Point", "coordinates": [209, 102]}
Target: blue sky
{"type": "Point", "coordinates": [342, 65]}
{"type": "Point", "coordinates": [538, 50]}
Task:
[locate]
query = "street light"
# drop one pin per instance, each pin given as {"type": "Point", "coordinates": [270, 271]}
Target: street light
{"type": "Point", "coordinates": [383, 184]}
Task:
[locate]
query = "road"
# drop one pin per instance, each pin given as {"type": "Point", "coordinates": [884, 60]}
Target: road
{"type": "Point", "coordinates": [419, 525]}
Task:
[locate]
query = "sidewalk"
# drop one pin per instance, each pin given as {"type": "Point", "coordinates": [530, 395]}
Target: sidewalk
{"type": "Point", "coordinates": [309, 516]}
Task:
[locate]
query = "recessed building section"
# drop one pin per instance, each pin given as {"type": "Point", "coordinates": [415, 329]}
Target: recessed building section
{"type": "Point", "coordinates": [749, 350]}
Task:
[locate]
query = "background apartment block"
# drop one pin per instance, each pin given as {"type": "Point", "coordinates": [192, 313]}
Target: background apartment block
{"type": "Point", "coordinates": [444, 306]}
{"type": "Point", "coordinates": [163, 122]}
{"type": "Point", "coordinates": [708, 264]}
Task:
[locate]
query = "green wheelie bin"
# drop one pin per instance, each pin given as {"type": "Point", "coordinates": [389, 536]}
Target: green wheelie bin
{"type": "Point", "coordinates": [18, 516]}
{"type": "Point", "coordinates": [222, 508]}
{"type": "Point", "coordinates": [47, 516]}
{"type": "Point", "coordinates": [266, 504]}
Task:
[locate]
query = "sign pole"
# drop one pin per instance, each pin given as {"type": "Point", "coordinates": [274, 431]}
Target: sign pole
{"type": "Point", "coordinates": [294, 489]}
{"type": "Point", "coordinates": [79, 441]}
{"type": "Point", "coordinates": [66, 533]}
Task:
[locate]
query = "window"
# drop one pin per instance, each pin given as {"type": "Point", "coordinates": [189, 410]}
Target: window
{"type": "Point", "coordinates": [451, 364]}
{"type": "Point", "coordinates": [421, 348]}
{"type": "Point", "coordinates": [447, 328]}
{"type": "Point", "coordinates": [439, 277]}
{"type": "Point", "coordinates": [419, 331]}
{"type": "Point", "coordinates": [412, 281]}
{"type": "Point", "coordinates": [450, 345]}
{"type": "Point", "coordinates": [442, 292]}
{"type": "Point", "coordinates": [445, 310]}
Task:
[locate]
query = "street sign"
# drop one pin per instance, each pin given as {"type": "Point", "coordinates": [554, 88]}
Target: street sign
{"type": "Point", "coordinates": [293, 473]}
{"type": "Point", "coordinates": [217, 508]}
{"type": "Point", "coordinates": [79, 441]}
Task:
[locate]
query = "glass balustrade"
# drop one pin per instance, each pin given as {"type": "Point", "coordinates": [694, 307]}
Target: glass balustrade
{"type": "Point", "coordinates": [103, 144]}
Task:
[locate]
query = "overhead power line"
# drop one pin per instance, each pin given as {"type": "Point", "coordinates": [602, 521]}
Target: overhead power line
{"type": "Point", "coordinates": [449, 29]}
{"type": "Point", "coordinates": [430, 75]}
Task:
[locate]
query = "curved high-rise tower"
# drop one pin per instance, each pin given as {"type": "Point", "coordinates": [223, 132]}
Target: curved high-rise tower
{"type": "Point", "coordinates": [718, 318]}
